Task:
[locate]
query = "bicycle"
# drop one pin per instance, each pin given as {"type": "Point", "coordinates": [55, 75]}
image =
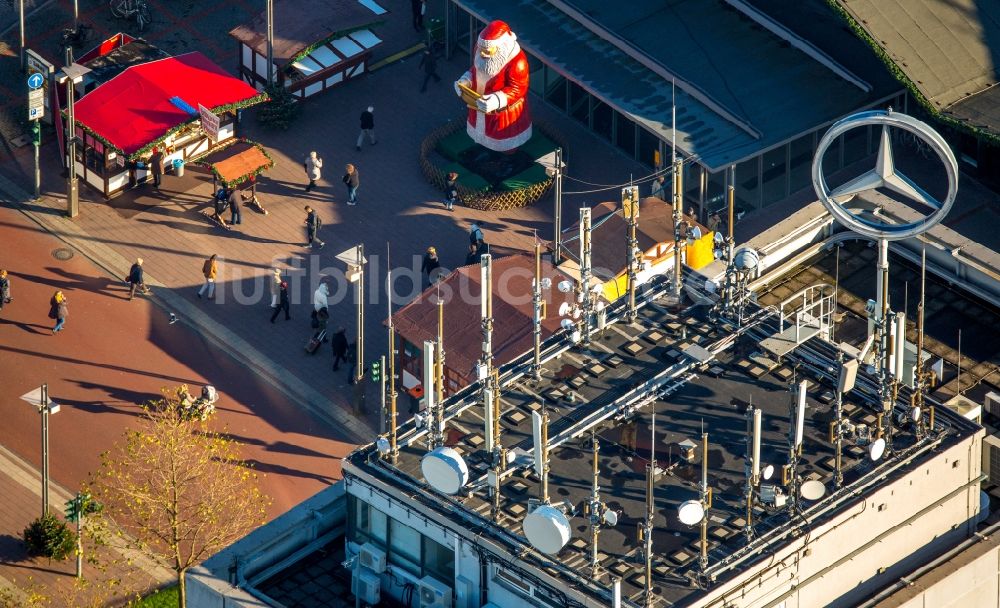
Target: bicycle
{"type": "Point", "coordinates": [77, 37]}
{"type": "Point", "coordinates": [123, 9]}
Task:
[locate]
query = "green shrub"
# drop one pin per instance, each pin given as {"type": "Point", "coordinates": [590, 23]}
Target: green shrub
{"type": "Point", "coordinates": [49, 537]}
{"type": "Point", "coordinates": [280, 111]}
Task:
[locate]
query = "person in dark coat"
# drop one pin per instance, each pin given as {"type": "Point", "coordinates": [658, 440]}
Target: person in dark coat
{"type": "Point", "coordinates": [429, 62]}
{"type": "Point", "coordinates": [156, 167]}
{"type": "Point", "coordinates": [451, 191]}
{"type": "Point", "coordinates": [313, 224]}
{"type": "Point", "coordinates": [4, 289]}
{"type": "Point", "coordinates": [472, 257]}
{"type": "Point", "coordinates": [282, 302]}
{"type": "Point", "coordinates": [233, 198]}
{"type": "Point", "coordinates": [58, 310]}
{"type": "Point", "coordinates": [135, 279]}
{"type": "Point", "coordinates": [475, 234]}
{"type": "Point", "coordinates": [352, 181]}
{"type": "Point", "coordinates": [339, 344]}
{"type": "Point", "coordinates": [219, 203]}
{"type": "Point", "coordinates": [367, 127]}
{"type": "Point", "coordinates": [430, 265]}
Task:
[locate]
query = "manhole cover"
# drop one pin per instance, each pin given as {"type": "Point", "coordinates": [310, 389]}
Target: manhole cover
{"type": "Point", "coordinates": [62, 253]}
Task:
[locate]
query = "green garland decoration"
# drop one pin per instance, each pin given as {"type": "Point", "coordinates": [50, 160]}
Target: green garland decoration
{"type": "Point", "coordinates": [911, 86]}
{"type": "Point", "coordinates": [338, 34]}
{"type": "Point", "coordinates": [270, 160]}
{"type": "Point", "coordinates": [147, 149]}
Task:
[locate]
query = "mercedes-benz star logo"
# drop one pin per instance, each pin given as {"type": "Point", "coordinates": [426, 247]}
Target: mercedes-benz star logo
{"type": "Point", "coordinates": [885, 175]}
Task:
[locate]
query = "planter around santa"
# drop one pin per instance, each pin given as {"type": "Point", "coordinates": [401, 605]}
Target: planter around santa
{"type": "Point", "coordinates": [487, 180]}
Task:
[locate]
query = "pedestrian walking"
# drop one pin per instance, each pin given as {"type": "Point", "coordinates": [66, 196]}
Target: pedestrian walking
{"type": "Point", "coordinates": [312, 165]}
{"type": "Point", "coordinates": [429, 62]}
{"type": "Point", "coordinates": [282, 303]}
{"type": "Point", "coordinates": [472, 257]}
{"type": "Point", "coordinates": [339, 344]}
{"type": "Point", "coordinates": [430, 265]}
{"type": "Point", "coordinates": [135, 280]}
{"type": "Point", "coordinates": [233, 198]}
{"type": "Point", "coordinates": [275, 284]}
{"type": "Point", "coordinates": [156, 167]}
{"type": "Point", "coordinates": [4, 289]}
{"type": "Point", "coordinates": [352, 181]}
{"type": "Point", "coordinates": [58, 310]}
{"type": "Point", "coordinates": [418, 8]}
{"type": "Point", "coordinates": [451, 191]}
{"type": "Point", "coordinates": [659, 188]}
{"type": "Point", "coordinates": [475, 234]}
{"type": "Point", "coordinates": [219, 203]}
{"type": "Point", "coordinates": [209, 270]}
{"type": "Point", "coordinates": [321, 302]}
{"type": "Point", "coordinates": [313, 224]}
{"type": "Point", "coordinates": [367, 127]}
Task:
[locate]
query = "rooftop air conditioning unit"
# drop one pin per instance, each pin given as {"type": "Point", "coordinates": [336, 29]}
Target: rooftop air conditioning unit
{"type": "Point", "coordinates": [434, 593]}
{"type": "Point", "coordinates": [991, 458]}
{"type": "Point", "coordinates": [366, 586]}
{"type": "Point", "coordinates": [372, 558]}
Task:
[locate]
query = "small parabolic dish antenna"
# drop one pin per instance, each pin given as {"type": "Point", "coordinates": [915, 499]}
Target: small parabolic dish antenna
{"type": "Point", "coordinates": [915, 414]}
{"type": "Point", "coordinates": [546, 282]}
{"type": "Point", "coordinates": [564, 309]}
{"type": "Point", "coordinates": [445, 470]}
{"type": "Point", "coordinates": [877, 449]}
{"type": "Point", "coordinates": [382, 444]}
{"type": "Point", "coordinates": [691, 512]}
{"type": "Point", "coordinates": [768, 472]}
{"type": "Point", "coordinates": [746, 259]}
{"type": "Point", "coordinates": [565, 286]}
{"type": "Point", "coordinates": [566, 324]}
{"type": "Point", "coordinates": [611, 517]}
{"type": "Point", "coordinates": [547, 529]}
{"type": "Point", "coordinates": [813, 489]}
{"type": "Point", "coordinates": [718, 237]}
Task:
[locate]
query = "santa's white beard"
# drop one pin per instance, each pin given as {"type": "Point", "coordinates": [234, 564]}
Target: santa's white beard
{"type": "Point", "coordinates": [488, 67]}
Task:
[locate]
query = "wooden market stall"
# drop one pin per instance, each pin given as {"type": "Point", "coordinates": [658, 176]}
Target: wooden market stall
{"type": "Point", "coordinates": [156, 105]}
{"type": "Point", "coordinates": [317, 45]}
{"type": "Point", "coordinates": [237, 164]}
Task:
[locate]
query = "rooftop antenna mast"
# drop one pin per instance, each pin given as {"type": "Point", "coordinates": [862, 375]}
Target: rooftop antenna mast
{"type": "Point", "coordinates": [730, 289]}
{"type": "Point", "coordinates": [706, 502]}
{"type": "Point", "coordinates": [630, 208]}
{"type": "Point", "coordinates": [490, 384]}
{"type": "Point", "coordinates": [795, 433]}
{"type": "Point", "coordinates": [882, 327]}
{"type": "Point", "coordinates": [430, 393]}
{"type": "Point", "coordinates": [595, 506]}
{"type": "Point", "coordinates": [752, 464]}
{"type": "Point", "coordinates": [917, 396]}
{"type": "Point", "coordinates": [536, 365]}
{"type": "Point", "coordinates": [678, 200]}
{"type": "Point", "coordinates": [587, 303]}
{"type": "Point", "coordinates": [646, 527]}
{"type": "Point", "coordinates": [439, 374]}
{"type": "Point", "coordinates": [544, 447]}
{"type": "Point", "coordinates": [393, 445]}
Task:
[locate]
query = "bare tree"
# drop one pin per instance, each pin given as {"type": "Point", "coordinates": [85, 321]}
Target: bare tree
{"type": "Point", "coordinates": [179, 488]}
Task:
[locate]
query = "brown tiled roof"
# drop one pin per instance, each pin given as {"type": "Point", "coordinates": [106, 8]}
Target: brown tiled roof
{"type": "Point", "coordinates": [512, 312]}
{"type": "Point", "coordinates": [298, 24]}
{"type": "Point", "coordinates": [609, 255]}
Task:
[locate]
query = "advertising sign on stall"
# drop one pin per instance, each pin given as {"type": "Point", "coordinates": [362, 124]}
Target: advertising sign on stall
{"type": "Point", "coordinates": [209, 122]}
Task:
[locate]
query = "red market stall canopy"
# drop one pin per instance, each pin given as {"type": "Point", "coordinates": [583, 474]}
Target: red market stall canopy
{"type": "Point", "coordinates": [145, 103]}
{"type": "Point", "coordinates": [236, 163]}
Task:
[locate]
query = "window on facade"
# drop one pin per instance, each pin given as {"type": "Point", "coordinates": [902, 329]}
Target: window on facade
{"type": "Point", "coordinates": [536, 76]}
{"type": "Point", "coordinates": [774, 175]}
{"type": "Point", "coordinates": [462, 20]}
{"type": "Point", "coordinates": [800, 163]}
{"type": "Point", "coordinates": [579, 103]}
{"type": "Point", "coordinates": [625, 134]}
{"type": "Point", "coordinates": [747, 185]}
{"type": "Point", "coordinates": [649, 145]}
{"type": "Point", "coordinates": [439, 561]}
{"type": "Point", "coordinates": [715, 193]}
{"type": "Point", "coordinates": [365, 523]}
{"type": "Point", "coordinates": [555, 89]}
{"type": "Point", "coordinates": [831, 161]}
{"type": "Point", "coordinates": [404, 546]}
{"type": "Point", "coordinates": [855, 144]}
{"type": "Point", "coordinates": [601, 119]}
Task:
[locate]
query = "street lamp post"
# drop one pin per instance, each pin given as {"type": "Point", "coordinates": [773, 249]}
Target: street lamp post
{"type": "Point", "coordinates": [71, 74]}
{"type": "Point", "coordinates": [270, 42]}
{"type": "Point", "coordinates": [20, 16]}
{"type": "Point", "coordinates": [40, 399]}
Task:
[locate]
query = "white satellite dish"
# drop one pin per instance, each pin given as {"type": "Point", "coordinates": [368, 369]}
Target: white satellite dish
{"type": "Point", "coordinates": [566, 324]}
{"type": "Point", "coordinates": [611, 517]}
{"type": "Point", "coordinates": [813, 489]}
{"type": "Point", "coordinates": [565, 286]}
{"type": "Point", "coordinates": [445, 470]}
{"type": "Point", "coordinates": [691, 512]}
{"type": "Point", "coordinates": [915, 414]}
{"type": "Point", "coordinates": [575, 336]}
{"type": "Point", "coordinates": [877, 449]}
{"type": "Point", "coordinates": [747, 259]}
{"type": "Point", "coordinates": [382, 445]}
{"type": "Point", "coordinates": [576, 313]}
{"type": "Point", "coordinates": [768, 472]}
{"type": "Point", "coordinates": [546, 282]}
{"type": "Point", "coordinates": [547, 529]}
{"type": "Point", "coordinates": [564, 309]}
{"type": "Point", "coordinates": [718, 237]}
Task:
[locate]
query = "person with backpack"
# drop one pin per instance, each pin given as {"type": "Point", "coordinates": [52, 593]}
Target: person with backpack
{"type": "Point", "coordinates": [209, 270]}
{"type": "Point", "coordinates": [313, 224]}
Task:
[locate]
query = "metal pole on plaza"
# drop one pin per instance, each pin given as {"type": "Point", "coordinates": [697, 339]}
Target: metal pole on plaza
{"type": "Point", "coordinates": [43, 409]}
{"type": "Point", "coordinates": [36, 139]}
{"type": "Point", "coordinates": [360, 366]}
{"type": "Point", "coordinates": [270, 42]}
{"type": "Point", "coordinates": [20, 17]}
{"type": "Point", "coordinates": [72, 187]}
{"type": "Point", "coordinates": [393, 447]}
{"type": "Point", "coordinates": [557, 250]}
{"type": "Point", "coordinates": [76, 15]}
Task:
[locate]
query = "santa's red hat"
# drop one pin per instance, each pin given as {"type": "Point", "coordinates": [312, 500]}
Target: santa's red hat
{"type": "Point", "coordinates": [495, 31]}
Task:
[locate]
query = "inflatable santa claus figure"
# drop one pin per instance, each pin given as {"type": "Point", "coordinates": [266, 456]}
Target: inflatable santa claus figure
{"type": "Point", "coordinates": [496, 90]}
